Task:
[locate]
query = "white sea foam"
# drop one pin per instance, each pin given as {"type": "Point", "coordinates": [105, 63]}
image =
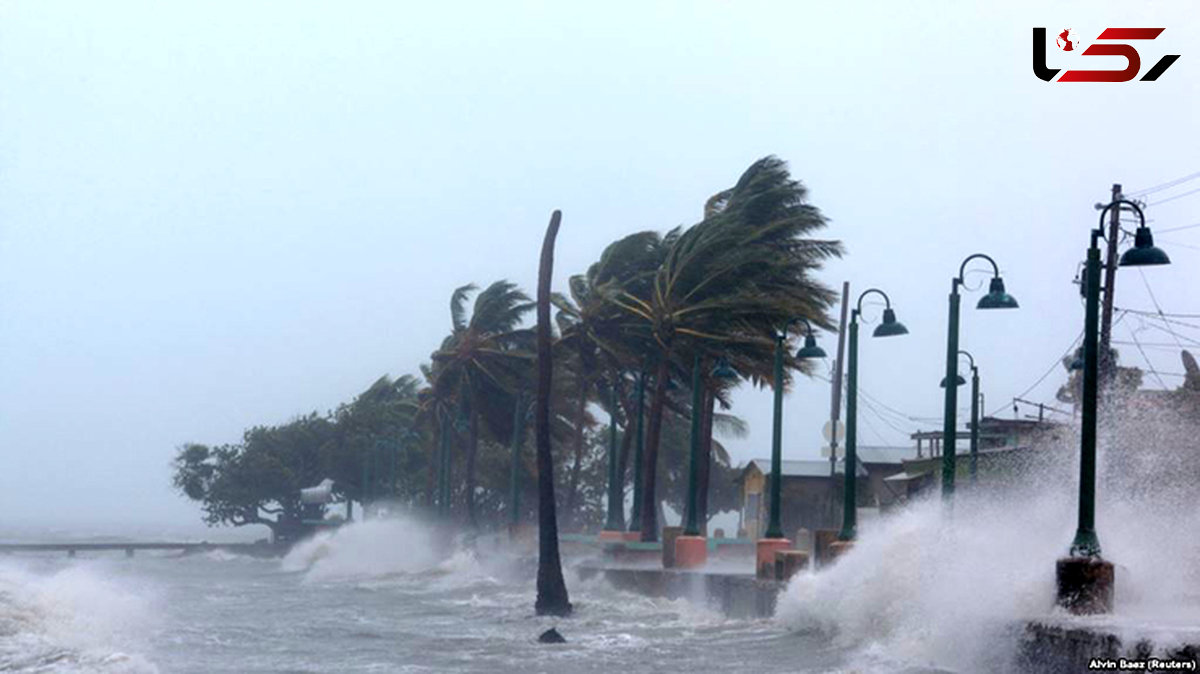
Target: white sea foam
{"type": "Point", "coordinates": [951, 589]}
{"type": "Point", "coordinates": [76, 619]}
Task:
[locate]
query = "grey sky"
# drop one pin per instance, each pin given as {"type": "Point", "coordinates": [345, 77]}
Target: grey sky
{"type": "Point", "coordinates": [216, 216]}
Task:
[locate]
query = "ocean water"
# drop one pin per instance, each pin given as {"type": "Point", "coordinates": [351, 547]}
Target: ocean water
{"type": "Point", "coordinates": [369, 598]}
{"type": "Point", "coordinates": [922, 592]}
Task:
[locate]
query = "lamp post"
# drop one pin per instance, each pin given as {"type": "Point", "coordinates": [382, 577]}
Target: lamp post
{"type": "Point", "coordinates": [959, 381]}
{"type": "Point", "coordinates": [635, 513]}
{"type": "Point", "coordinates": [691, 547]}
{"type": "Point", "coordinates": [1085, 581]}
{"type": "Point", "coordinates": [614, 524]}
{"type": "Point", "coordinates": [889, 327]}
{"type": "Point", "coordinates": [996, 298]}
{"type": "Point", "coordinates": [514, 478]}
{"type": "Point", "coordinates": [773, 539]}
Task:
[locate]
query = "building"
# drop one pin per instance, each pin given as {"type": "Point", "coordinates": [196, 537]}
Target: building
{"type": "Point", "coordinates": [810, 498]}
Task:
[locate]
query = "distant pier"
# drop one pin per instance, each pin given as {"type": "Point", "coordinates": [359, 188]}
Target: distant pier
{"type": "Point", "coordinates": [253, 549]}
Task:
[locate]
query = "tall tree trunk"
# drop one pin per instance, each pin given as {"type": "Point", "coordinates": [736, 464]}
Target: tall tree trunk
{"type": "Point", "coordinates": [704, 469]}
{"type": "Point", "coordinates": [434, 458]}
{"type": "Point", "coordinates": [650, 460]}
{"type": "Point", "coordinates": [472, 450]}
{"type": "Point", "coordinates": [552, 596]}
{"type": "Point", "coordinates": [570, 520]}
{"type": "Point", "coordinates": [626, 442]}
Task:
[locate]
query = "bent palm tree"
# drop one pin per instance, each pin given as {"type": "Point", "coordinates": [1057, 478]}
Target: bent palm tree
{"type": "Point", "coordinates": [482, 362]}
{"type": "Point", "coordinates": [725, 286]}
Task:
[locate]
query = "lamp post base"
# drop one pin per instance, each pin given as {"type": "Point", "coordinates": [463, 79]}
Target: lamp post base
{"type": "Point", "coordinates": [1085, 585]}
{"type": "Point", "coordinates": [765, 549]}
{"type": "Point", "coordinates": [836, 549]}
{"type": "Point", "coordinates": [789, 562]}
{"type": "Point", "coordinates": [691, 552]}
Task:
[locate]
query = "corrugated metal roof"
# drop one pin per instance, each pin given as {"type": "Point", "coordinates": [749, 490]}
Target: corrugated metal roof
{"type": "Point", "coordinates": [881, 454]}
{"type": "Point", "coordinates": [802, 467]}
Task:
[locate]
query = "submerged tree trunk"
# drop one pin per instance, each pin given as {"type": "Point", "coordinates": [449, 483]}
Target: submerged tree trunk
{"type": "Point", "coordinates": [472, 450]}
{"type": "Point", "coordinates": [650, 518]}
{"type": "Point", "coordinates": [552, 596]}
{"type": "Point", "coordinates": [434, 458]}
{"type": "Point", "coordinates": [704, 469]}
{"type": "Point", "coordinates": [570, 520]}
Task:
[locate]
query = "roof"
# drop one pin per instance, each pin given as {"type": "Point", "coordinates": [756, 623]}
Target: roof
{"type": "Point", "coordinates": [801, 468]}
{"type": "Point", "coordinates": [889, 455]}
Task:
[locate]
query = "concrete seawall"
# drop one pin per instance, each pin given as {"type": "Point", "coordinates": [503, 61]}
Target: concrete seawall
{"type": "Point", "coordinates": [735, 595]}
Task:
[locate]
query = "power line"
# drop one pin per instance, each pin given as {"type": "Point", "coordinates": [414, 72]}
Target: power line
{"type": "Point", "coordinates": [1176, 229]}
{"type": "Point", "coordinates": [1173, 197]}
{"type": "Point", "coordinates": [1056, 364]}
{"type": "Point", "coordinates": [1149, 365]}
{"type": "Point", "coordinates": [1164, 317]}
{"type": "Point", "coordinates": [1163, 186]}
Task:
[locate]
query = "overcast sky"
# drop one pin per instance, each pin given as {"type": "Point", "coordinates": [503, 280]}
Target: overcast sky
{"type": "Point", "coordinates": [220, 215]}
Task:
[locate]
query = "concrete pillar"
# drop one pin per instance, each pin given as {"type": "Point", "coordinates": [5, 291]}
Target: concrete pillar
{"type": "Point", "coordinates": [765, 549]}
{"type": "Point", "coordinates": [691, 552]}
{"type": "Point", "coordinates": [1085, 585]}
{"type": "Point", "coordinates": [822, 538]}
{"type": "Point", "coordinates": [669, 534]}
{"type": "Point", "coordinates": [788, 563]}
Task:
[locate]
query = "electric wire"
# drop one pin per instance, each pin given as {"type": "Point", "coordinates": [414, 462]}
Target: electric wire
{"type": "Point", "coordinates": [1166, 185]}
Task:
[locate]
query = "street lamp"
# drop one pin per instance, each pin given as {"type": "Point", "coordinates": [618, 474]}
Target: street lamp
{"type": "Point", "coordinates": [959, 381]}
{"type": "Point", "coordinates": [889, 327]}
{"type": "Point", "coordinates": [996, 298]}
{"type": "Point", "coordinates": [774, 539]}
{"type": "Point", "coordinates": [691, 548]}
{"type": "Point", "coordinates": [1085, 581]}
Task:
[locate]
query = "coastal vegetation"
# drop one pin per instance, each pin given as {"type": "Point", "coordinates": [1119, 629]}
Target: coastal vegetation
{"type": "Point", "coordinates": [651, 308]}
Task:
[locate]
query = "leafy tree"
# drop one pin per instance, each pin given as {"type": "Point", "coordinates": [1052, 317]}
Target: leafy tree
{"type": "Point", "coordinates": [482, 363]}
{"type": "Point", "coordinates": [725, 286]}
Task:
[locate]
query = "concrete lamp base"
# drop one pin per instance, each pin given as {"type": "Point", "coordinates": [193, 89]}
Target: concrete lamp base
{"type": "Point", "coordinates": [765, 549]}
{"type": "Point", "coordinates": [691, 552]}
{"type": "Point", "coordinates": [1085, 585]}
{"type": "Point", "coordinates": [837, 549]}
{"type": "Point", "coordinates": [789, 562]}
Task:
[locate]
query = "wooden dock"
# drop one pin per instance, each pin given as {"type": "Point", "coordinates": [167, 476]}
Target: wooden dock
{"type": "Point", "coordinates": [253, 549]}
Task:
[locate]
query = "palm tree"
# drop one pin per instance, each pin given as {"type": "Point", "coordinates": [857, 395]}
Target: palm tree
{"type": "Point", "coordinates": [725, 286]}
{"type": "Point", "coordinates": [591, 338]}
{"type": "Point", "coordinates": [482, 364]}
{"type": "Point", "coordinates": [552, 596]}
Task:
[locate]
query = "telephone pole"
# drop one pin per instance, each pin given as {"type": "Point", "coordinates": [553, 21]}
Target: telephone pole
{"type": "Point", "coordinates": [1106, 366]}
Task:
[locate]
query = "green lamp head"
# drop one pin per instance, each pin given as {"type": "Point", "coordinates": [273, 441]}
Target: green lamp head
{"type": "Point", "coordinates": [997, 298]}
{"type": "Point", "coordinates": [890, 327]}
{"type": "Point", "coordinates": [958, 381]}
{"type": "Point", "coordinates": [810, 350]}
{"type": "Point", "coordinates": [1144, 252]}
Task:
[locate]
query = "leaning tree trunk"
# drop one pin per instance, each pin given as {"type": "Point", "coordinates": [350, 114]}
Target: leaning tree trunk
{"type": "Point", "coordinates": [650, 458]}
{"type": "Point", "coordinates": [472, 450]}
{"type": "Point", "coordinates": [626, 443]}
{"type": "Point", "coordinates": [552, 596]}
{"type": "Point", "coordinates": [577, 461]}
{"type": "Point", "coordinates": [704, 469]}
{"type": "Point", "coordinates": [434, 457]}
